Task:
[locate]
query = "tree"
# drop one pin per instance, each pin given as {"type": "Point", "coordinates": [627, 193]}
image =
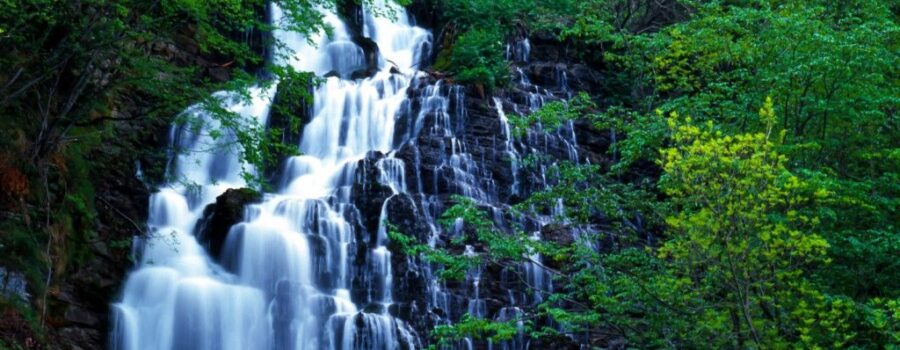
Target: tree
{"type": "Point", "coordinates": [736, 233]}
{"type": "Point", "coordinates": [73, 71]}
{"type": "Point", "coordinates": [736, 267]}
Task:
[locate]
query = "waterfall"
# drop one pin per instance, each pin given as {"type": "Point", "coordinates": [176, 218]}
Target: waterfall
{"type": "Point", "coordinates": [285, 278]}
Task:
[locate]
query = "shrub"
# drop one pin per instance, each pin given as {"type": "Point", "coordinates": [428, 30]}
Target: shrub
{"type": "Point", "coordinates": [477, 58]}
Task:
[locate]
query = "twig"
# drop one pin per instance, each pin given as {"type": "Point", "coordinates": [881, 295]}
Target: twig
{"type": "Point", "coordinates": [123, 215]}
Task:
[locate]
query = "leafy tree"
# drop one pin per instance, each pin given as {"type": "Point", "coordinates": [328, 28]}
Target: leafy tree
{"type": "Point", "coordinates": [736, 232]}
{"type": "Point", "coordinates": [738, 266]}
{"type": "Point", "coordinates": [73, 73]}
{"type": "Point", "coordinates": [503, 15]}
{"type": "Point", "coordinates": [477, 58]}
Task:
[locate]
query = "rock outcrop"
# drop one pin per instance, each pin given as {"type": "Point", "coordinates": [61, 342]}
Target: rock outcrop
{"type": "Point", "coordinates": [218, 218]}
{"type": "Point", "coordinates": [122, 175]}
{"type": "Point", "coordinates": [450, 141]}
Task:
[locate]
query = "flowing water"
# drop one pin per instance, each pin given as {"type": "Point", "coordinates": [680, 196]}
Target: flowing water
{"type": "Point", "coordinates": [308, 267]}
{"type": "Point", "coordinates": [285, 278]}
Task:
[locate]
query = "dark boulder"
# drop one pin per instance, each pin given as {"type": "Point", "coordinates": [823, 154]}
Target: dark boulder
{"type": "Point", "coordinates": [594, 144]}
{"type": "Point", "coordinates": [557, 233]}
{"type": "Point", "coordinates": [556, 342]}
{"type": "Point", "coordinates": [368, 194]}
{"type": "Point", "coordinates": [371, 55]}
{"type": "Point", "coordinates": [351, 12]}
{"type": "Point", "coordinates": [363, 73]}
{"type": "Point", "coordinates": [218, 217]}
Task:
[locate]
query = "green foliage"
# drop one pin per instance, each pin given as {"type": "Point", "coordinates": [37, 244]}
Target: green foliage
{"type": "Point", "coordinates": [477, 58]}
{"type": "Point", "coordinates": [474, 52]}
{"type": "Point", "coordinates": [827, 69]}
{"type": "Point", "coordinates": [476, 227]}
{"type": "Point", "coordinates": [473, 328]}
{"type": "Point", "coordinates": [80, 75]}
{"type": "Point", "coordinates": [740, 266]}
{"type": "Point", "coordinates": [553, 115]}
{"type": "Point", "coordinates": [859, 220]}
{"type": "Point", "coordinates": [500, 15]}
{"type": "Point", "coordinates": [452, 266]}
{"type": "Point", "coordinates": [752, 238]}
{"type": "Point", "coordinates": [736, 232]}
{"type": "Point", "coordinates": [644, 135]}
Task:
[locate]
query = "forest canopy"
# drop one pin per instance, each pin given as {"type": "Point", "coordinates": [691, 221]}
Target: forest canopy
{"type": "Point", "coordinates": [773, 126]}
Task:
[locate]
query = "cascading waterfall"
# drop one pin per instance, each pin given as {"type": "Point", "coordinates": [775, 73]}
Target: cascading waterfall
{"type": "Point", "coordinates": [308, 267]}
{"type": "Point", "coordinates": [284, 279]}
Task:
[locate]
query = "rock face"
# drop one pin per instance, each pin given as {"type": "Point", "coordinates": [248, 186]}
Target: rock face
{"type": "Point", "coordinates": [122, 174]}
{"type": "Point", "coordinates": [453, 142]}
{"type": "Point", "coordinates": [218, 218]}
{"type": "Point", "coordinates": [448, 141]}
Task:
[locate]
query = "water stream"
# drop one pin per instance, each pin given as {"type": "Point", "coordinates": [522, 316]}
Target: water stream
{"type": "Point", "coordinates": [284, 277]}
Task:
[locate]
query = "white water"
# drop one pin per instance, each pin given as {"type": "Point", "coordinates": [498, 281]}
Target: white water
{"type": "Point", "coordinates": [284, 280]}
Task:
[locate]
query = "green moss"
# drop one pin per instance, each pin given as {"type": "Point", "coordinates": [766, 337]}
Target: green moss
{"type": "Point", "coordinates": [78, 213]}
{"type": "Point", "coordinates": [21, 251]}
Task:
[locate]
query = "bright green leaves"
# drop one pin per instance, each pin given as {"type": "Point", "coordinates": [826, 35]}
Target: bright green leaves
{"type": "Point", "coordinates": [739, 230]}
{"type": "Point", "coordinates": [477, 58]}
{"type": "Point", "coordinates": [474, 328]}
{"type": "Point", "coordinates": [470, 225]}
{"type": "Point", "coordinates": [824, 74]}
{"type": "Point", "coordinates": [476, 55]}
{"type": "Point", "coordinates": [554, 114]}
{"type": "Point", "coordinates": [735, 191]}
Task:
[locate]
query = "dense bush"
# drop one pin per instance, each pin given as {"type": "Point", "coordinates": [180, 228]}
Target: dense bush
{"type": "Point", "coordinates": [477, 58]}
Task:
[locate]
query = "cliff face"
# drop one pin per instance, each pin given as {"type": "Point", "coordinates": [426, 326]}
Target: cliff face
{"type": "Point", "coordinates": [451, 139]}
{"type": "Point", "coordinates": [464, 147]}
{"type": "Point", "coordinates": [120, 173]}
{"type": "Point", "coordinates": [454, 141]}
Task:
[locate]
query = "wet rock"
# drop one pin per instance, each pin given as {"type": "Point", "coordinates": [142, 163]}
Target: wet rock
{"type": "Point", "coordinates": [564, 78]}
{"type": "Point", "coordinates": [77, 336]}
{"type": "Point", "coordinates": [363, 73]}
{"type": "Point", "coordinates": [219, 74]}
{"type": "Point", "coordinates": [218, 218]}
{"type": "Point", "coordinates": [403, 212]}
{"type": "Point", "coordinates": [556, 342]}
{"type": "Point", "coordinates": [370, 53]}
{"type": "Point", "coordinates": [557, 233]}
{"type": "Point", "coordinates": [594, 144]}
{"type": "Point", "coordinates": [581, 77]}
{"type": "Point", "coordinates": [369, 194]}
{"type": "Point", "coordinates": [352, 13]}
{"type": "Point", "coordinates": [374, 308]}
{"type": "Point", "coordinates": [424, 12]}
{"type": "Point", "coordinates": [77, 315]}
